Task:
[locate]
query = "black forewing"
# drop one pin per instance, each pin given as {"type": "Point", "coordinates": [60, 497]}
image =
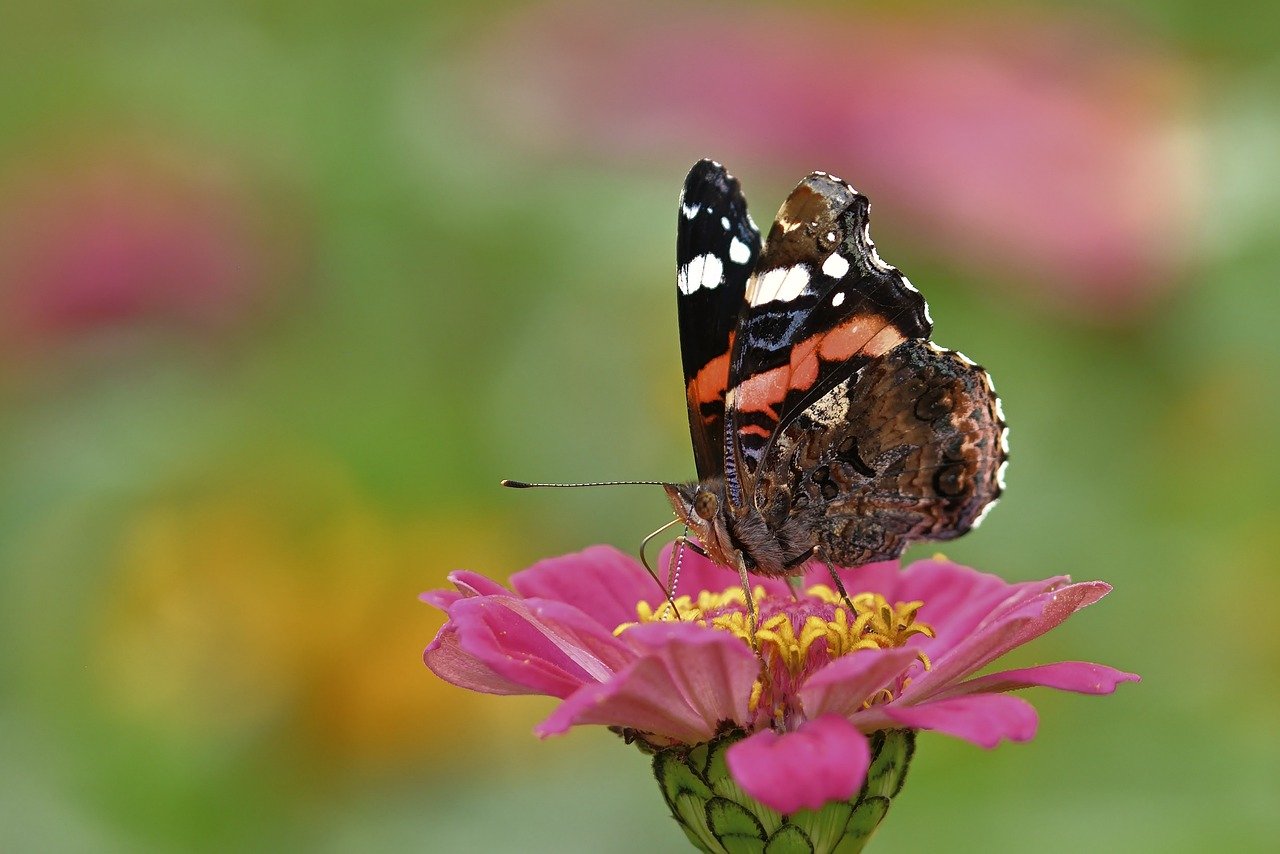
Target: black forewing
{"type": "Point", "coordinates": [716, 249]}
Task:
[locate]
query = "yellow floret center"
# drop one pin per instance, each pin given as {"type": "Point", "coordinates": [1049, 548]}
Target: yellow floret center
{"type": "Point", "coordinates": [873, 623]}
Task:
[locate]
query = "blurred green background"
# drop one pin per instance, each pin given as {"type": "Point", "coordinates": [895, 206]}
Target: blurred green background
{"type": "Point", "coordinates": [286, 287]}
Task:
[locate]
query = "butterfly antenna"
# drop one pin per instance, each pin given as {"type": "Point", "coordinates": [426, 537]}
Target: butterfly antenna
{"type": "Point", "coordinates": [521, 484]}
{"type": "Point", "coordinates": [669, 594]}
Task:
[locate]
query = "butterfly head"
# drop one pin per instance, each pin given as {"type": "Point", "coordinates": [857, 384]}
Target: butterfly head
{"type": "Point", "coordinates": [701, 507]}
{"type": "Point", "coordinates": [695, 503]}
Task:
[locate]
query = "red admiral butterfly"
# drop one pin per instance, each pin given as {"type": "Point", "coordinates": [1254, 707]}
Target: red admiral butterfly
{"type": "Point", "coordinates": [825, 424]}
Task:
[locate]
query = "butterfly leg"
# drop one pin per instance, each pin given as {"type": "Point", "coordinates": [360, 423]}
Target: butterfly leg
{"type": "Point", "coordinates": [694, 547]}
{"type": "Point", "coordinates": [753, 616]}
{"type": "Point", "coordinates": [670, 594]}
{"type": "Point", "coordinates": [835, 578]}
{"type": "Point", "coordinates": [795, 583]}
{"type": "Point", "coordinates": [764, 686]}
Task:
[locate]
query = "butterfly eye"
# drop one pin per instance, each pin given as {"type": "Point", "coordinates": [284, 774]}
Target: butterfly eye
{"type": "Point", "coordinates": [704, 504]}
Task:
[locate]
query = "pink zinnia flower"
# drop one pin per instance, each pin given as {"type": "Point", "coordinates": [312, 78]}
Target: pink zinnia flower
{"type": "Point", "coordinates": [583, 628]}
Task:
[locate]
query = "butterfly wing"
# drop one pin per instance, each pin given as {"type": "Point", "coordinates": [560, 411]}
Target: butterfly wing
{"type": "Point", "coordinates": [717, 245]}
{"type": "Point", "coordinates": [913, 447]}
{"type": "Point", "coordinates": [819, 306]}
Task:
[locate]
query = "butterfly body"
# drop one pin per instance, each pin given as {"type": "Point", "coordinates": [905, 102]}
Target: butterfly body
{"type": "Point", "coordinates": [825, 424]}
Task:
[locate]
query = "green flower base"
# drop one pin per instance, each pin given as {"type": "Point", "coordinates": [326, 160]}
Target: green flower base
{"type": "Point", "coordinates": [719, 817]}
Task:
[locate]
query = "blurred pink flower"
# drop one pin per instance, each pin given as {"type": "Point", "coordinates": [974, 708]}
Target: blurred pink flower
{"type": "Point", "coordinates": [1046, 150]}
{"type": "Point", "coordinates": [123, 237]}
{"type": "Point", "coordinates": [578, 628]}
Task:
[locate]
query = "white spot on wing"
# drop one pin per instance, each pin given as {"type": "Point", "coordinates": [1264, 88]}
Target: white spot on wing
{"type": "Point", "coordinates": [838, 299]}
{"type": "Point", "coordinates": [690, 211]}
{"type": "Point", "coordinates": [724, 221]}
{"type": "Point", "coordinates": [871, 248]}
{"type": "Point", "coordinates": [739, 252]}
{"type": "Point", "coordinates": [1000, 474]}
{"type": "Point", "coordinates": [782, 285]}
{"type": "Point", "coordinates": [999, 408]}
{"type": "Point", "coordinates": [982, 514]}
{"type": "Point", "coordinates": [962, 357]}
{"type": "Point", "coordinates": [835, 266]}
{"type": "Point", "coordinates": [704, 271]}
{"type": "Point", "coordinates": [1004, 440]}
{"type": "Point", "coordinates": [712, 271]}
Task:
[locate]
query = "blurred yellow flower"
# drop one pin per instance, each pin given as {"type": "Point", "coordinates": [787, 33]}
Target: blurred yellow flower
{"type": "Point", "coordinates": [277, 610]}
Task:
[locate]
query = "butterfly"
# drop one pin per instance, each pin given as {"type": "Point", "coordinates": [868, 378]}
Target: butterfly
{"type": "Point", "coordinates": [825, 423]}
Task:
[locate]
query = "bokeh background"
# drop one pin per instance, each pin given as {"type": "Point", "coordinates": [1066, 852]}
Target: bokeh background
{"type": "Point", "coordinates": [286, 287]}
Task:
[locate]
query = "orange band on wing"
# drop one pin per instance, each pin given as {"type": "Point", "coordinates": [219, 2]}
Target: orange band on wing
{"type": "Point", "coordinates": [866, 335]}
{"type": "Point", "coordinates": [709, 384]}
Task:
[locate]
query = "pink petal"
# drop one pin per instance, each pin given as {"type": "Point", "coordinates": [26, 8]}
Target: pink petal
{"type": "Point", "coordinates": [599, 581]}
{"type": "Point", "coordinates": [1057, 606]}
{"type": "Point", "coordinates": [1012, 629]}
{"type": "Point", "coordinates": [698, 573]}
{"type": "Point", "coordinates": [957, 599]}
{"type": "Point", "coordinates": [447, 660]}
{"type": "Point", "coordinates": [688, 680]}
{"type": "Point", "coordinates": [983, 719]}
{"type": "Point", "coordinates": [1079, 676]}
{"type": "Point", "coordinates": [883, 577]}
{"type": "Point", "coordinates": [468, 584]}
{"type": "Point", "coordinates": [441, 599]}
{"type": "Point", "coordinates": [843, 685]}
{"type": "Point", "coordinates": [547, 646]}
{"type": "Point", "coordinates": [824, 760]}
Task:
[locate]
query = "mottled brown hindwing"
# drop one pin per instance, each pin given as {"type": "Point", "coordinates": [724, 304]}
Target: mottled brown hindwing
{"type": "Point", "coordinates": [910, 448]}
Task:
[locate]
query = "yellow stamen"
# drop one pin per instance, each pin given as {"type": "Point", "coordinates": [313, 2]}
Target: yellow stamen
{"type": "Point", "coordinates": [756, 690]}
{"type": "Point", "coordinates": [874, 624]}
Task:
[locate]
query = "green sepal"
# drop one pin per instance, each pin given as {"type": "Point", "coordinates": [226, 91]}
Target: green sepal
{"type": "Point", "coordinates": [891, 752]}
{"type": "Point", "coordinates": [789, 839]}
{"type": "Point", "coordinates": [676, 777]}
{"type": "Point", "coordinates": [866, 818]}
{"type": "Point", "coordinates": [726, 787]}
{"type": "Point", "coordinates": [735, 827]}
{"type": "Point", "coordinates": [718, 816]}
{"type": "Point", "coordinates": [824, 827]}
